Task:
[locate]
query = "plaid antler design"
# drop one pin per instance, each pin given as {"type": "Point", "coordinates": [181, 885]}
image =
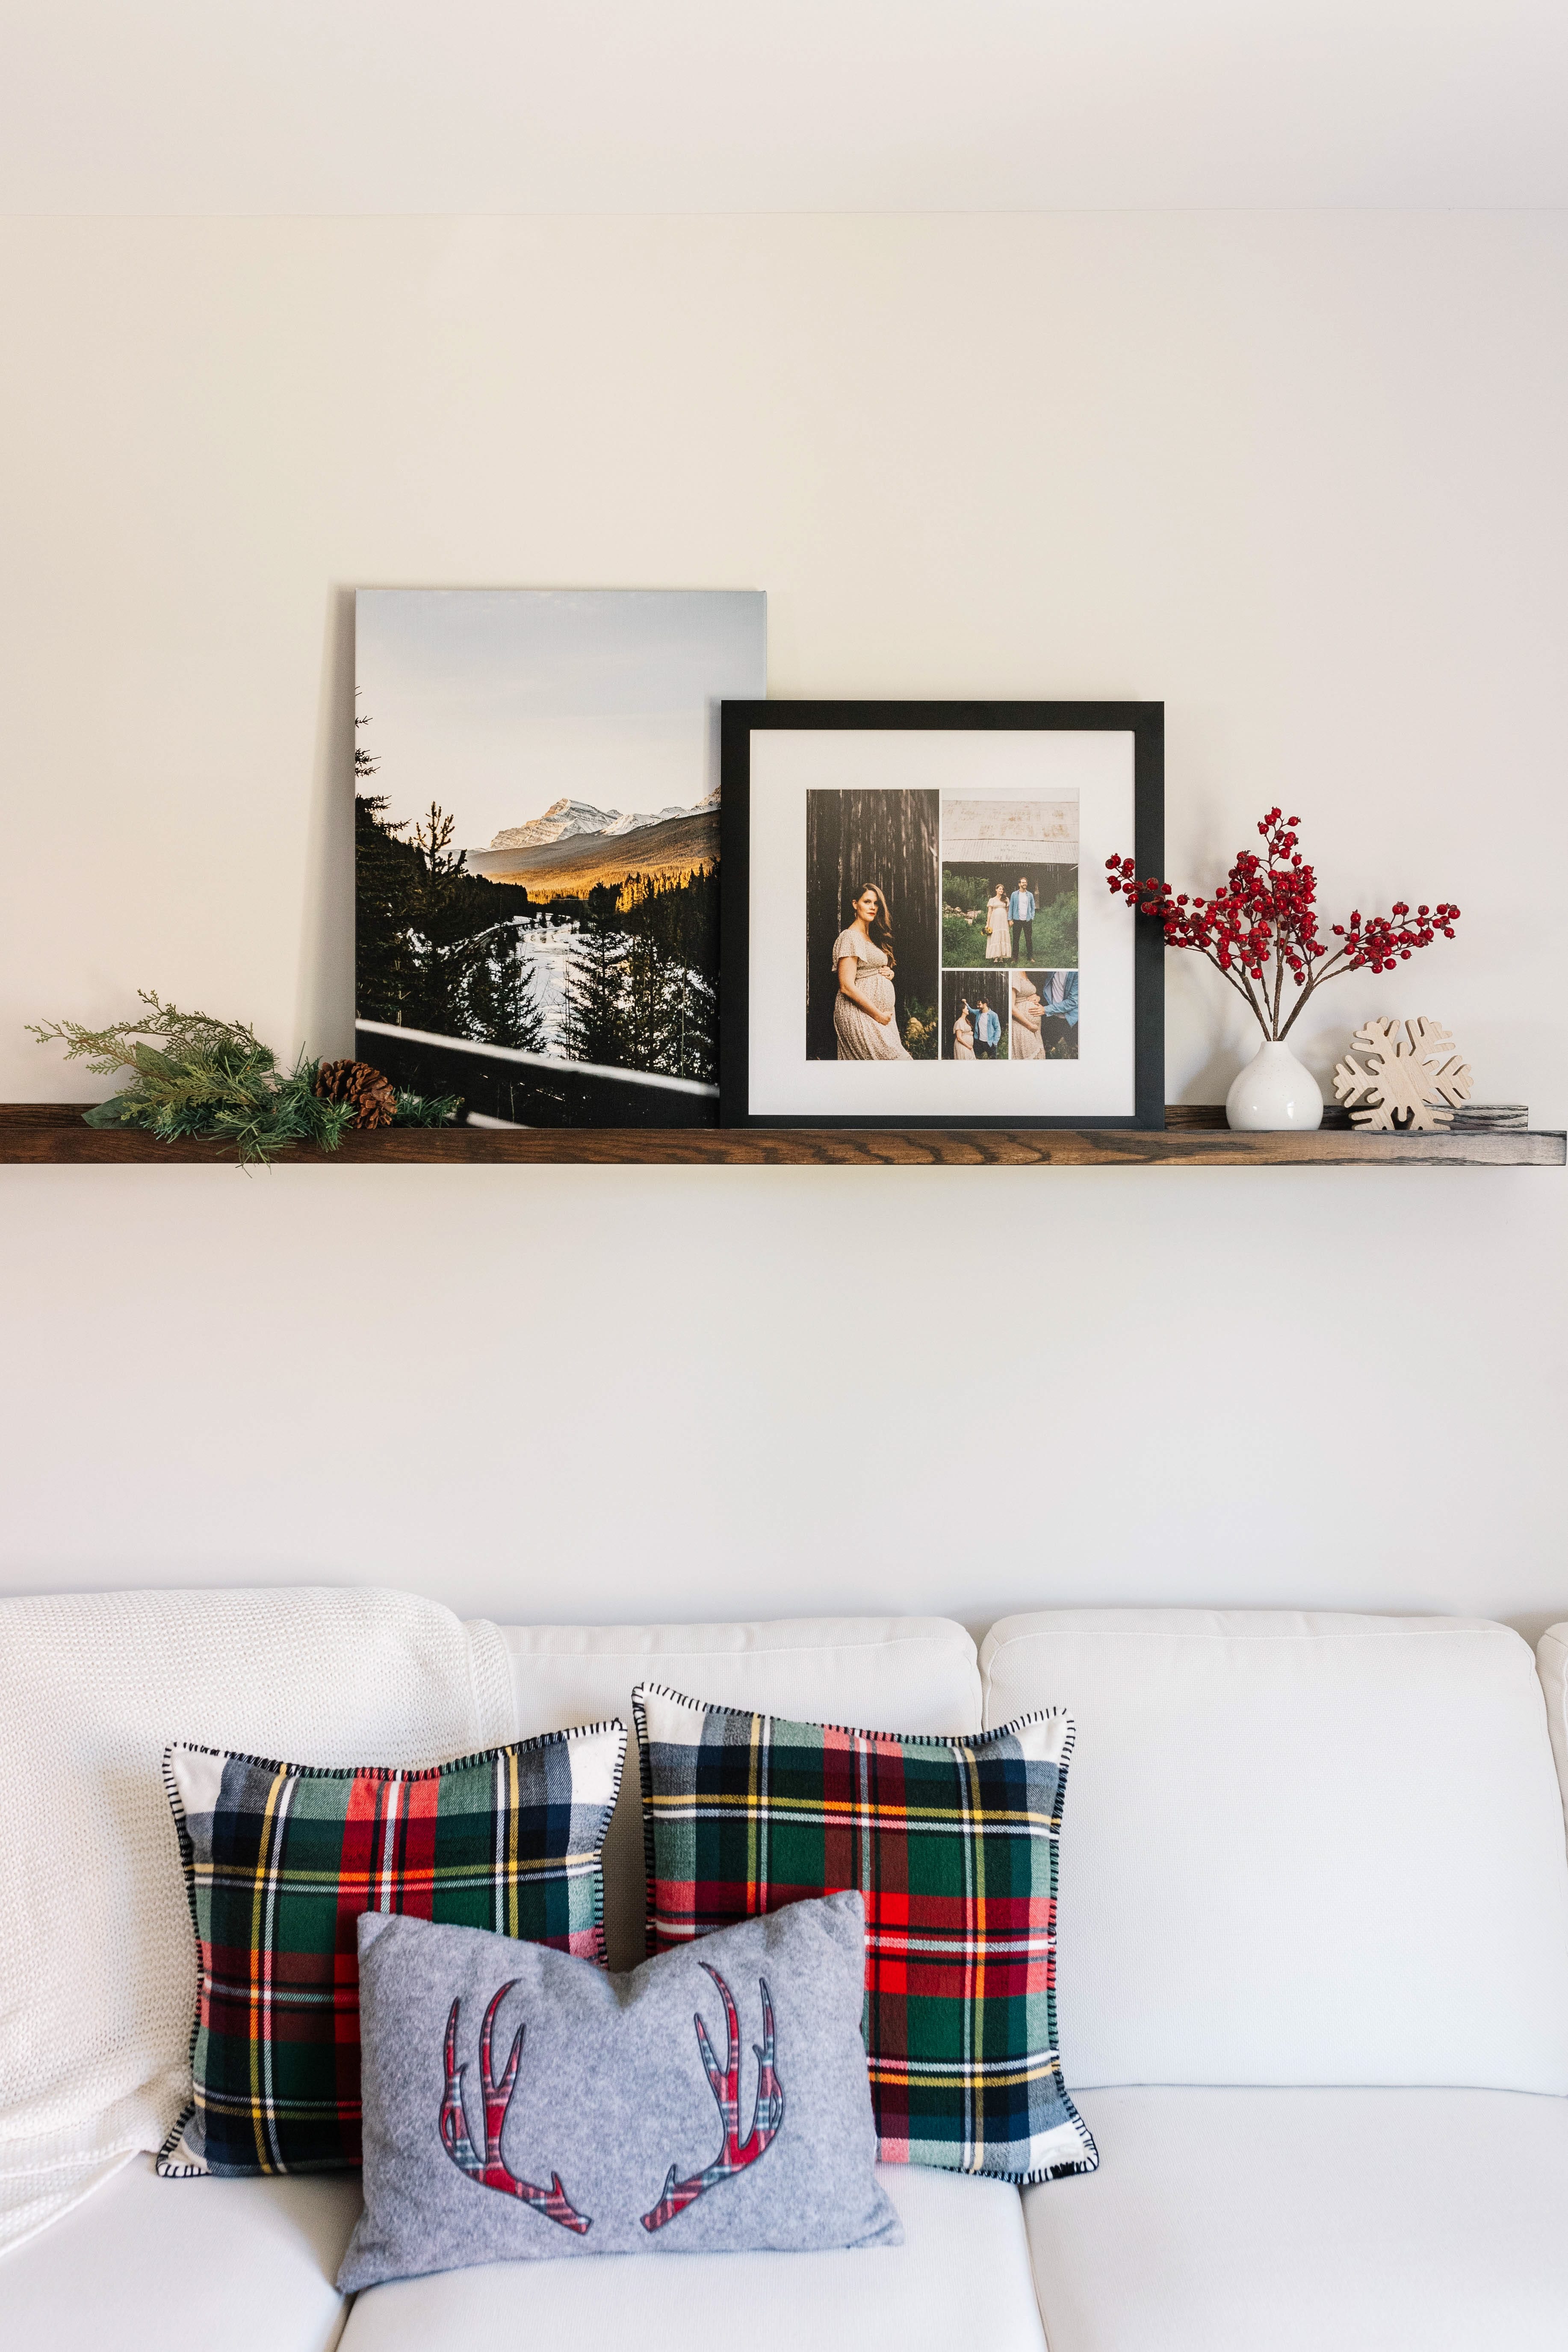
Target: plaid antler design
{"type": "Point", "coordinates": [490, 2170]}
{"type": "Point", "coordinates": [767, 2109]}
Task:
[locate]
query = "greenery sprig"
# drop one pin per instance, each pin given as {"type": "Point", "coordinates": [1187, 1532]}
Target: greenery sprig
{"type": "Point", "coordinates": [195, 1076]}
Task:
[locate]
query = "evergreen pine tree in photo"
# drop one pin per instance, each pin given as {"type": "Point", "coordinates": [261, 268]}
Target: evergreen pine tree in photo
{"type": "Point", "coordinates": [650, 1003]}
{"type": "Point", "coordinates": [501, 1007]}
{"type": "Point", "coordinates": [672, 926]}
{"type": "Point", "coordinates": [595, 1021]}
{"type": "Point", "coordinates": [437, 947]}
{"type": "Point", "coordinates": [385, 982]}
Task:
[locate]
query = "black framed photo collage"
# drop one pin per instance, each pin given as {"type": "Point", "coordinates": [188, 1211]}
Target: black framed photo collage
{"type": "Point", "coordinates": [916, 930]}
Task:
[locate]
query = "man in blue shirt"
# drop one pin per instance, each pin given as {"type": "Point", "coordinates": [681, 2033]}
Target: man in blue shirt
{"type": "Point", "coordinates": [987, 1031]}
{"type": "Point", "coordinates": [1021, 911]}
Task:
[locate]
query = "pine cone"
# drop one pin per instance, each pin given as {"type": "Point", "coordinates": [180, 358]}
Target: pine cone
{"type": "Point", "coordinates": [374, 1098]}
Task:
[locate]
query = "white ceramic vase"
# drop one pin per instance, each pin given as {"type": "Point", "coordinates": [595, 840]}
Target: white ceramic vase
{"type": "Point", "coordinates": [1274, 1091]}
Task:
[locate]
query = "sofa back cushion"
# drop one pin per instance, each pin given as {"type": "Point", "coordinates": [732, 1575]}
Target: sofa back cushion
{"type": "Point", "coordinates": [875, 1673]}
{"type": "Point", "coordinates": [1301, 1849]}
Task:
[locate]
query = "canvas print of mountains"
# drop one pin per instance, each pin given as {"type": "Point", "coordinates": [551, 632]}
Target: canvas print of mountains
{"type": "Point", "coordinates": [537, 845]}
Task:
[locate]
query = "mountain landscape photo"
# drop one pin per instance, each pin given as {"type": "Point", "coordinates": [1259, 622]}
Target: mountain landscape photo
{"type": "Point", "coordinates": [561, 970]}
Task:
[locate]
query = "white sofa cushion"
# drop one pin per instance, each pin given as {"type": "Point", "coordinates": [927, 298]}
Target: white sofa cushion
{"type": "Point", "coordinates": [151, 2265]}
{"type": "Point", "coordinates": [1552, 1663]}
{"type": "Point", "coordinates": [875, 1673]}
{"type": "Point", "coordinates": [1301, 1849]}
{"type": "Point", "coordinates": [1300, 2221]}
{"type": "Point", "coordinates": [98, 1977]}
{"type": "Point", "coordinates": [961, 2277]}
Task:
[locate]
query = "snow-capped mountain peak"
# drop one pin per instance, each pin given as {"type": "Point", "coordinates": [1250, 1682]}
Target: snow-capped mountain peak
{"type": "Point", "coordinates": [634, 823]}
{"type": "Point", "coordinates": [560, 819]}
{"type": "Point", "coordinates": [565, 818]}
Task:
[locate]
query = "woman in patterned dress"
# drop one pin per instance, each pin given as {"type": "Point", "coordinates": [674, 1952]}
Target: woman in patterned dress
{"type": "Point", "coordinates": [864, 1011]}
{"type": "Point", "coordinates": [962, 1035]}
{"type": "Point", "coordinates": [998, 928]}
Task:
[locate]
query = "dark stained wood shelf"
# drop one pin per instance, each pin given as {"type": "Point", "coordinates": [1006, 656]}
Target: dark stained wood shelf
{"type": "Point", "coordinates": [1196, 1137]}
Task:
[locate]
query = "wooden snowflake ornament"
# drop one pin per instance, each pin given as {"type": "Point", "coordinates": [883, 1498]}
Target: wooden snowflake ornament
{"type": "Point", "coordinates": [1411, 1082]}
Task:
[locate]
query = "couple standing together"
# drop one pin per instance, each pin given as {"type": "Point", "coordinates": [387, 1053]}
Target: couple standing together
{"type": "Point", "coordinates": [1010, 924]}
{"type": "Point", "coordinates": [976, 1033]}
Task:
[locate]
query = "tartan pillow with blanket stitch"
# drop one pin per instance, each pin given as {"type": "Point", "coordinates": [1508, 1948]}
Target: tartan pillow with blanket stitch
{"type": "Point", "coordinates": [281, 1859]}
{"type": "Point", "coordinates": [952, 1844]}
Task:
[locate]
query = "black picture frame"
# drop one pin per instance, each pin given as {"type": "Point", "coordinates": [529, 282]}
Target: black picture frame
{"type": "Point", "coordinates": [1145, 721]}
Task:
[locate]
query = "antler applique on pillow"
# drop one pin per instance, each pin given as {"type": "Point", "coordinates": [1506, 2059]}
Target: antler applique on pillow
{"type": "Point", "coordinates": [767, 2108]}
{"type": "Point", "coordinates": [492, 2170]}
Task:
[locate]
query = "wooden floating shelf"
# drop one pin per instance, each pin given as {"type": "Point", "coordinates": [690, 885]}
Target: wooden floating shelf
{"type": "Point", "coordinates": [54, 1133]}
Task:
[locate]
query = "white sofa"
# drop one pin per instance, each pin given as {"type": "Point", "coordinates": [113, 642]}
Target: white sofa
{"type": "Point", "coordinates": [1313, 1993]}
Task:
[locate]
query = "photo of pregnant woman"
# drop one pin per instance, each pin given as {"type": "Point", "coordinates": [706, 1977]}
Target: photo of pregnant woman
{"type": "Point", "coordinates": [871, 927]}
{"type": "Point", "coordinates": [865, 1013]}
{"type": "Point", "coordinates": [1044, 1016]}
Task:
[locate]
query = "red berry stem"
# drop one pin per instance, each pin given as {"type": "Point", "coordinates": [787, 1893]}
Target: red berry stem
{"type": "Point", "coordinates": [1265, 914]}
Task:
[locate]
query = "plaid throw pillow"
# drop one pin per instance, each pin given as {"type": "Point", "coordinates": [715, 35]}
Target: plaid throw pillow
{"type": "Point", "coordinates": [952, 1844]}
{"type": "Point", "coordinates": [281, 1860]}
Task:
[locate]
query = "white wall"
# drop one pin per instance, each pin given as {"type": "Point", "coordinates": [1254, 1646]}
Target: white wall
{"type": "Point", "coordinates": [1303, 478]}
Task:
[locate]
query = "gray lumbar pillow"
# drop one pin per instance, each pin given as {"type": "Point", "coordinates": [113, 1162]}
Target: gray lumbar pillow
{"type": "Point", "coordinates": [521, 2103]}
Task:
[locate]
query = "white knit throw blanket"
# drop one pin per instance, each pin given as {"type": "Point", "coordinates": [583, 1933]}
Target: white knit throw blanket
{"type": "Point", "coordinates": [97, 1955]}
